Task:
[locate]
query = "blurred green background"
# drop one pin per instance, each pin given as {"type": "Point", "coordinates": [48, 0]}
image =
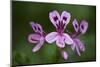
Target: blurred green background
{"type": "Point", "coordinates": [24, 12]}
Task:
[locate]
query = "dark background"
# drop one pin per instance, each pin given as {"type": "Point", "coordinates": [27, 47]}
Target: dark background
{"type": "Point", "coordinates": [24, 12]}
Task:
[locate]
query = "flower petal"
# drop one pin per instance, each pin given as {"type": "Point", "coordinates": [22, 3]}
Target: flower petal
{"type": "Point", "coordinates": [34, 38]}
{"type": "Point", "coordinates": [60, 41]}
{"type": "Point", "coordinates": [68, 39]}
{"type": "Point", "coordinates": [39, 45]}
{"type": "Point", "coordinates": [34, 26]}
{"type": "Point", "coordinates": [83, 26]}
{"type": "Point", "coordinates": [73, 46]}
{"type": "Point", "coordinates": [80, 45]}
{"type": "Point", "coordinates": [76, 25]}
{"type": "Point", "coordinates": [54, 17]}
{"type": "Point", "coordinates": [65, 17]}
{"type": "Point", "coordinates": [51, 37]}
{"type": "Point", "coordinates": [64, 55]}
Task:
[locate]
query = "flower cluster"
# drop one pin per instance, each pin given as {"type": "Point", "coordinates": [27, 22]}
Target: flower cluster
{"type": "Point", "coordinates": [59, 37]}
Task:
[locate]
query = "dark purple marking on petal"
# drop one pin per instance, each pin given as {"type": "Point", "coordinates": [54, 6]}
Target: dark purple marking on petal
{"type": "Point", "coordinates": [82, 27]}
{"type": "Point", "coordinates": [39, 29]}
{"type": "Point", "coordinates": [64, 18]}
{"type": "Point", "coordinates": [76, 25]}
{"type": "Point", "coordinates": [55, 18]}
{"type": "Point", "coordinates": [63, 25]}
{"type": "Point", "coordinates": [33, 39]}
{"type": "Point", "coordinates": [58, 25]}
{"type": "Point", "coordinates": [35, 27]}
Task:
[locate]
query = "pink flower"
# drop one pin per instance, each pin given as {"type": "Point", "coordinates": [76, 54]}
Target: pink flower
{"type": "Point", "coordinates": [37, 38]}
{"type": "Point", "coordinates": [78, 45]}
{"type": "Point", "coordinates": [60, 23]}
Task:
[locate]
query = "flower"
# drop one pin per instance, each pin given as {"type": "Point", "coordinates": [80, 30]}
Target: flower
{"type": "Point", "coordinates": [60, 23]}
{"type": "Point", "coordinates": [37, 38]}
{"type": "Point", "coordinates": [78, 45]}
